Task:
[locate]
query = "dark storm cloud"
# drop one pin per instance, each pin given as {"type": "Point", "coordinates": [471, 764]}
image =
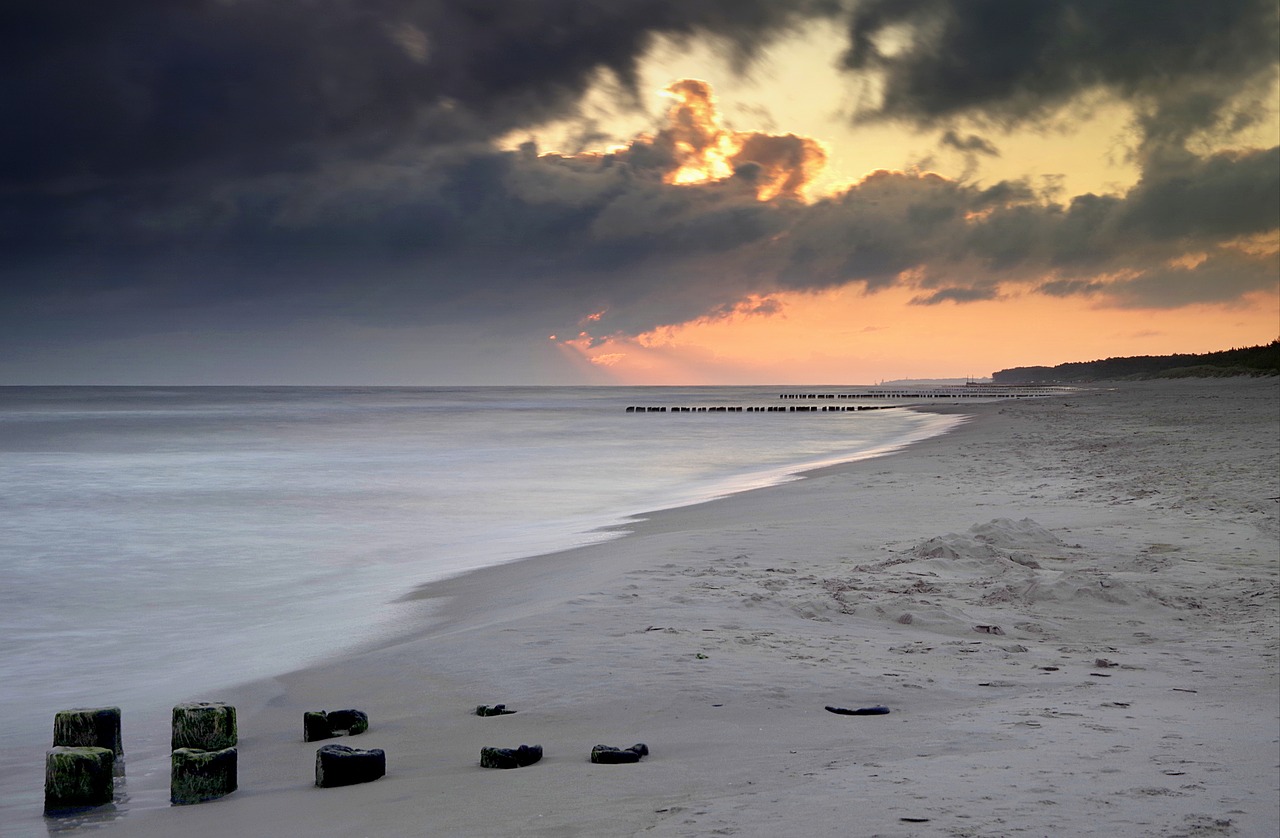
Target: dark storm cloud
{"type": "Point", "coordinates": [1010, 61]}
{"type": "Point", "coordinates": [131, 88]}
{"type": "Point", "coordinates": [462, 233]}
{"type": "Point", "coordinates": [1221, 195]}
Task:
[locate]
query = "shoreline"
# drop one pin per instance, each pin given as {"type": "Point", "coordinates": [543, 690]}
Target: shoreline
{"type": "Point", "coordinates": [717, 632]}
{"type": "Point", "coordinates": [481, 581]}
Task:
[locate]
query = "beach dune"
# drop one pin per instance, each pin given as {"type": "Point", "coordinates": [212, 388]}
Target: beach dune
{"type": "Point", "coordinates": [1069, 606]}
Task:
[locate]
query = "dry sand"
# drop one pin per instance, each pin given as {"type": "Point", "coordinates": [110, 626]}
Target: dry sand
{"type": "Point", "coordinates": [1069, 606]}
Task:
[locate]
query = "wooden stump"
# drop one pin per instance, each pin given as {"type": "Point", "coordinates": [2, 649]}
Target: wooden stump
{"type": "Point", "coordinates": [196, 776]}
{"type": "Point", "coordinates": [317, 724]}
{"type": "Point", "coordinates": [77, 778]}
{"type": "Point", "coordinates": [510, 757]}
{"type": "Point", "coordinates": [609, 755]}
{"type": "Point", "coordinates": [204, 726]}
{"type": "Point", "coordinates": [338, 765]}
{"type": "Point", "coordinates": [89, 727]}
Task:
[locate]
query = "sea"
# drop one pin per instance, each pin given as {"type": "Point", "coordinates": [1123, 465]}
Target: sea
{"type": "Point", "coordinates": [157, 543]}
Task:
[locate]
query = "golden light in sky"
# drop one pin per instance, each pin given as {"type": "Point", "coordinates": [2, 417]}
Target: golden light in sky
{"type": "Point", "coordinates": [703, 150]}
{"type": "Point", "coordinates": [860, 334]}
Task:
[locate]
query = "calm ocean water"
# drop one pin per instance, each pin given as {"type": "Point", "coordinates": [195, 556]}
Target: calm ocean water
{"type": "Point", "coordinates": [159, 542]}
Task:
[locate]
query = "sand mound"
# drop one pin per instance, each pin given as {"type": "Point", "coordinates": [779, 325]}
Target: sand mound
{"type": "Point", "coordinates": [991, 544]}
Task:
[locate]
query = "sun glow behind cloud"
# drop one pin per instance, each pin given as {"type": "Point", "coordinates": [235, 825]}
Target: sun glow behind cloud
{"type": "Point", "coordinates": [915, 326]}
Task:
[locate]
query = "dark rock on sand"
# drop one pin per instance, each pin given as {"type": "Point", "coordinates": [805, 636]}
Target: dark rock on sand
{"type": "Point", "coordinates": [609, 755]}
{"type": "Point", "coordinates": [878, 710]}
{"type": "Point", "coordinates": [510, 757]}
{"type": "Point", "coordinates": [338, 765]}
{"type": "Point", "coordinates": [317, 725]}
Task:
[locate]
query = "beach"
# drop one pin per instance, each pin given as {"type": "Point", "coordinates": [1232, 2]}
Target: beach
{"type": "Point", "coordinates": [1068, 605]}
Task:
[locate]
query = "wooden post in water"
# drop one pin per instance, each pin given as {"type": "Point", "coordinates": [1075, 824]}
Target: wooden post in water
{"type": "Point", "coordinates": [204, 759]}
{"type": "Point", "coordinates": [204, 725]}
{"type": "Point", "coordinates": [196, 776]}
{"type": "Point", "coordinates": [89, 727]}
{"type": "Point", "coordinates": [77, 778]}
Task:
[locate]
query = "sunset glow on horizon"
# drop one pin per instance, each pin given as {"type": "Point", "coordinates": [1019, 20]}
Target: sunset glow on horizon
{"type": "Point", "coordinates": [807, 340]}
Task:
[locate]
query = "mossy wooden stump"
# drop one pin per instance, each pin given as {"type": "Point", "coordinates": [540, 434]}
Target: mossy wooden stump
{"type": "Point", "coordinates": [196, 776]}
{"type": "Point", "coordinates": [318, 724]}
{"type": "Point", "coordinates": [510, 757]}
{"type": "Point", "coordinates": [204, 726]}
{"type": "Point", "coordinates": [338, 765]}
{"type": "Point", "coordinates": [91, 727]}
{"type": "Point", "coordinates": [77, 778]}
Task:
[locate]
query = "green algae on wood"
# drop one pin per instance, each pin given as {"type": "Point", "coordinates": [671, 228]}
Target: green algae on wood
{"type": "Point", "coordinates": [204, 725]}
{"type": "Point", "coordinates": [77, 778]}
{"type": "Point", "coordinates": [196, 775]}
{"type": "Point", "coordinates": [89, 727]}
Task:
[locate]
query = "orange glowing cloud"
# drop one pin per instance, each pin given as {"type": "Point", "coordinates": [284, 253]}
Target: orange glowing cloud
{"type": "Point", "coordinates": [897, 274]}
{"type": "Point", "coordinates": [701, 150]}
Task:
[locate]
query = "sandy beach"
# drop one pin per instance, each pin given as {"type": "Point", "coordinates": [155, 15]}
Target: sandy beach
{"type": "Point", "coordinates": [1069, 606]}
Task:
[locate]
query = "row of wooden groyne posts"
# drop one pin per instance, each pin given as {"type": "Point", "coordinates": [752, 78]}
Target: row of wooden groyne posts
{"type": "Point", "coordinates": [88, 754]}
{"type": "Point", "coordinates": [794, 408]}
{"type": "Point", "coordinates": [976, 392]}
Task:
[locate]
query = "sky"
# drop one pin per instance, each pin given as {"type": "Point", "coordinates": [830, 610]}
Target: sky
{"type": "Point", "coordinates": [441, 192]}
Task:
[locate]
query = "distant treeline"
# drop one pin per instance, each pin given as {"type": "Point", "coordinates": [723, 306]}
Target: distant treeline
{"type": "Point", "coordinates": [1251, 360]}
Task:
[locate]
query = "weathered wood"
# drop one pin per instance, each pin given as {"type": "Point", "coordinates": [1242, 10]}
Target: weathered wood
{"type": "Point", "coordinates": [88, 727]}
{"type": "Point", "coordinates": [204, 726]}
{"type": "Point", "coordinates": [197, 775]}
{"type": "Point", "coordinates": [317, 724]}
{"type": "Point", "coordinates": [77, 778]}
{"type": "Point", "coordinates": [510, 757]}
{"type": "Point", "coordinates": [338, 765]}
{"type": "Point", "coordinates": [609, 755]}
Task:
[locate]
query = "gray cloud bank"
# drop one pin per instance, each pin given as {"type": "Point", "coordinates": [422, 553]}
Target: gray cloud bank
{"type": "Point", "coordinates": [243, 166]}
